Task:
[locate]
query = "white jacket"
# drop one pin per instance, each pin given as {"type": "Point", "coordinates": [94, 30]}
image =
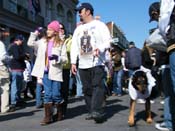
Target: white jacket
{"type": "Point", "coordinates": [55, 67]}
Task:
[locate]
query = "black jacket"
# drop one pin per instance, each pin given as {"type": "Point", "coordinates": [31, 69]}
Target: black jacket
{"type": "Point", "coordinates": [18, 54]}
{"type": "Point", "coordinates": [147, 62]}
{"type": "Point", "coordinates": [133, 58]}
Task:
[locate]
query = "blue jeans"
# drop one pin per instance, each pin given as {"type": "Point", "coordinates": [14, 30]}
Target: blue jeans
{"type": "Point", "coordinates": [52, 90]}
{"type": "Point", "coordinates": [38, 94]}
{"type": "Point", "coordinates": [71, 82]}
{"type": "Point", "coordinates": [172, 68]}
{"type": "Point", "coordinates": [172, 72]}
{"type": "Point", "coordinates": [79, 84]}
{"type": "Point", "coordinates": [117, 82]}
{"type": "Point", "coordinates": [130, 73]}
{"type": "Point", "coordinates": [16, 86]}
{"type": "Point", "coordinates": [167, 88]}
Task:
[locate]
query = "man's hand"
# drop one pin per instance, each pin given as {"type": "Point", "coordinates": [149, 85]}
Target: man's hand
{"type": "Point", "coordinates": [39, 80]}
{"type": "Point", "coordinates": [74, 69]}
{"type": "Point", "coordinates": [96, 52]}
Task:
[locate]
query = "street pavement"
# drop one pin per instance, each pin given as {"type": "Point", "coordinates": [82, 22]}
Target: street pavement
{"type": "Point", "coordinates": [117, 109]}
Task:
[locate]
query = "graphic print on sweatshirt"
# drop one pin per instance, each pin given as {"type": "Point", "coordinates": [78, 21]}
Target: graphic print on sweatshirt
{"type": "Point", "coordinates": [85, 43]}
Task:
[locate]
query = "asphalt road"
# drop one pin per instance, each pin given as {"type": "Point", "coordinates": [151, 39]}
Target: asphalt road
{"type": "Point", "coordinates": [117, 109]}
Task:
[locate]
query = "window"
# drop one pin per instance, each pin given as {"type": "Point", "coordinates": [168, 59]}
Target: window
{"type": "Point", "coordinates": [13, 6]}
{"type": "Point", "coordinates": [60, 10]}
{"type": "Point", "coordinates": [70, 21]}
{"type": "Point", "coordinates": [49, 6]}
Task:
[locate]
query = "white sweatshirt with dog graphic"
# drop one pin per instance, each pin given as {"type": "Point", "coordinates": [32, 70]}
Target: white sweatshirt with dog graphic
{"type": "Point", "coordinates": [86, 38]}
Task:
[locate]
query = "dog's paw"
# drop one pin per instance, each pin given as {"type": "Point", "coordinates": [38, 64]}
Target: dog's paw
{"type": "Point", "coordinates": [131, 121]}
{"type": "Point", "coordinates": [149, 120]}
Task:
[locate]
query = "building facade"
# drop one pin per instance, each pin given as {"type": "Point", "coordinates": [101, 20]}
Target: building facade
{"type": "Point", "coordinates": [118, 37]}
{"type": "Point", "coordinates": [23, 16]}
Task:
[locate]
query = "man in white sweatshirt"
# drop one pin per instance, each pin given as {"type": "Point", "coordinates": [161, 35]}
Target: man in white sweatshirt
{"type": "Point", "coordinates": [89, 43]}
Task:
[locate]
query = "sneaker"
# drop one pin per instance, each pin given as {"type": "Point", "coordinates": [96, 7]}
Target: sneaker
{"type": "Point", "coordinates": [119, 95]}
{"type": "Point", "coordinates": [5, 111]}
{"type": "Point", "coordinates": [12, 108]}
{"type": "Point", "coordinates": [162, 127]}
{"type": "Point", "coordinates": [98, 117]}
{"type": "Point", "coordinates": [30, 95]}
{"type": "Point", "coordinates": [141, 101]}
{"type": "Point", "coordinates": [152, 101]}
{"type": "Point", "coordinates": [162, 102]}
{"type": "Point", "coordinates": [89, 116]}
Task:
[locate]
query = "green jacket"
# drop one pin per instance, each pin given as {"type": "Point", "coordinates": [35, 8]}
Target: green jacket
{"type": "Point", "coordinates": [68, 43]}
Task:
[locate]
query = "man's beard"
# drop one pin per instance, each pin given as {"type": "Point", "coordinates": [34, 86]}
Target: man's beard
{"type": "Point", "coordinates": [81, 19]}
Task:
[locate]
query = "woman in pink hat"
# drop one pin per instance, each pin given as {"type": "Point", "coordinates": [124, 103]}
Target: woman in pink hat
{"type": "Point", "coordinates": [51, 56]}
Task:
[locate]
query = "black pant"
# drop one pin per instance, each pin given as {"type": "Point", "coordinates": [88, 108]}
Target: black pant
{"type": "Point", "coordinates": [93, 88]}
{"type": "Point", "coordinates": [65, 89]}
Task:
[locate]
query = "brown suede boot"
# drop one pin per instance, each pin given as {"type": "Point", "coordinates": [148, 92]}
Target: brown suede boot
{"type": "Point", "coordinates": [59, 114]}
{"type": "Point", "coordinates": [48, 114]}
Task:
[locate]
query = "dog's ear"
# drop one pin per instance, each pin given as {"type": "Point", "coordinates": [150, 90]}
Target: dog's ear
{"type": "Point", "coordinates": [144, 75]}
{"type": "Point", "coordinates": [134, 80]}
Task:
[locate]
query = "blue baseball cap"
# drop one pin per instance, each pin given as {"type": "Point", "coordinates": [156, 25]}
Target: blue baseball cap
{"type": "Point", "coordinates": [86, 6]}
{"type": "Point", "coordinates": [131, 43]}
{"type": "Point", "coordinates": [19, 37]}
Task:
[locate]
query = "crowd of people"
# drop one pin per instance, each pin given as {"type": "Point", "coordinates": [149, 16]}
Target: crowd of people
{"type": "Point", "coordinates": [90, 60]}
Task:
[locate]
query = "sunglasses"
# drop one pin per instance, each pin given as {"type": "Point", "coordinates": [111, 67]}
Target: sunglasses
{"type": "Point", "coordinates": [62, 28]}
{"type": "Point", "coordinates": [154, 13]}
{"type": "Point", "coordinates": [80, 11]}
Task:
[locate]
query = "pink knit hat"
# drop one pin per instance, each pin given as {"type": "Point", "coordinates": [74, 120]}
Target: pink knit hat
{"type": "Point", "coordinates": [54, 25]}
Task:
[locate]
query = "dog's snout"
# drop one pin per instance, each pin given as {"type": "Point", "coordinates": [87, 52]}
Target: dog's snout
{"type": "Point", "coordinates": [142, 85]}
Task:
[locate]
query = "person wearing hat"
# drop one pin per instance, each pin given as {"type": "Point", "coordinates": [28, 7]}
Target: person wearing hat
{"type": "Point", "coordinates": [154, 11]}
{"type": "Point", "coordinates": [40, 33]}
{"type": "Point", "coordinates": [17, 66]}
{"type": "Point", "coordinates": [4, 75]}
{"type": "Point", "coordinates": [89, 43]}
{"type": "Point", "coordinates": [48, 68]}
{"type": "Point", "coordinates": [131, 44]}
{"type": "Point", "coordinates": [133, 58]}
{"type": "Point", "coordinates": [165, 17]}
